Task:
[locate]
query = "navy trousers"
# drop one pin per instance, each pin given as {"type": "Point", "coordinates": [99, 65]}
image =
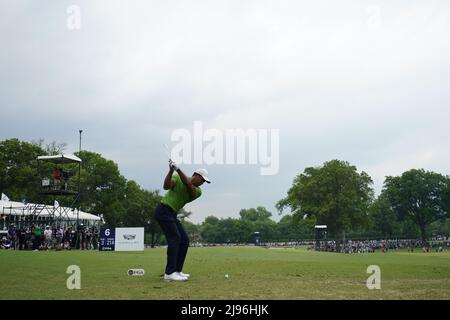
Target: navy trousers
{"type": "Point", "coordinates": [177, 239]}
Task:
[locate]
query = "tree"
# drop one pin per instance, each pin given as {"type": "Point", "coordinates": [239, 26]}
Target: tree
{"type": "Point", "coordinates": [258, 214]}
{"type": "Point", "coordinates": [52, 148]}
{"type": "Point", "coordinates": [242, 230]}
{"type": "Point", "coordinates": [229, 232]}
{"type": "Point", "coordinates": [419, 195]}
{"type": "Point", "coordinates": [192, 230]}
{"type": "Point", "coordinates": [267, 229]}
{"type": "Point", "coordinates": [209, 229]}
{"type": "Point", "coordinates": [256, 220]}
{"type": "Point", "coordinates": [225, 230]}
{"type": "Point", "coordinates": [439, 228]}
{"type": "Point", "coordinates": [293, 228]}
{"type": "Point", "coordinates": [140, 208]}
{"type": "Point", "coordinates": [334, 194]}
{"type": "Point", "coordinates": [102, 188]}
{"type": "Point", "coordinates": [383, 218]}
{"type": "Point", "coordinates": [18, 169]}
{"type": "Point", "coordinates": [212, 220]}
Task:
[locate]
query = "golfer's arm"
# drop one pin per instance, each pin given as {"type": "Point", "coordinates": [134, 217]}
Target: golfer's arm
{"type": "Point", "coordinates": [187, 182]}
{"type": "Point", "coordinates": [168, 183]}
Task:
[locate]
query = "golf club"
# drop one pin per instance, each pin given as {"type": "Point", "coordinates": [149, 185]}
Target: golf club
{"type": "Point", "coordinates": [167, 151]}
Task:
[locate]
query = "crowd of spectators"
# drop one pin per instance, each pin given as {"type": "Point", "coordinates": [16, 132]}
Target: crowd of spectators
{"type": "Point", "coordinates": [265, 244]}
{"type": "Point", "coordinates": [349, 246]}
{"type": "Point", "coordinates": [46, 237]}
{"type": "Point", "coordinates": [370, 246]}
{"type": "Point", "coordinates": [39, 237]}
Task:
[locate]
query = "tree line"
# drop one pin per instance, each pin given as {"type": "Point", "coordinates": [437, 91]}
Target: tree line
{"type": "Point", "coordinates": [104, 191]}
{"type": "Point", "coordinates": [414, 204]}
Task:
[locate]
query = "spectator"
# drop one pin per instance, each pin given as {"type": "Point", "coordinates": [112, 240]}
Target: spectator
{"type": "Point", "coordinates": [59, 238]}
{"type": "Point", "coordinates": [56, 179]}
{"type": "Point", "coordinates": [48, 238]}
{"type": "Point", "coordinates": [65, 177]}
{"type": "Point", "coordinates": [73, 238]}
{"type": "Point", "coordinates": [12, 236]}
{"type": "Point", "coordinates": [80, 237]}
{"type": "Point", "coordinates": [88, 239]}
{"type": "Point", "coordinates": [22, 235]}
{"type": "Point", "coordinates": [37, 235]}
{"type": "Point", "coordinates": [95, 237]}
{"type": "Point", "coordinates": [5, 243]}
{"type": "Point", "coordinates": [68, 239]}
{"type": "Point", "coordinates": [29, 239]}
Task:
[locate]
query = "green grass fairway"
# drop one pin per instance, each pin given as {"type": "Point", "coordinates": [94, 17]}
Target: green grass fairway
{"type": "Point", "coordinates": [254, 273]}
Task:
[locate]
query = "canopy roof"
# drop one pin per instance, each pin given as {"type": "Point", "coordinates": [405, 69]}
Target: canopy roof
{"type": "Point", "coordinates": [60, 158]}
{"type": "Point", "coordinates": [18, 208]}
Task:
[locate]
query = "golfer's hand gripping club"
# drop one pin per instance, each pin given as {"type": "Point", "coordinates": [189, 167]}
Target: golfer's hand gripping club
{"type": "Point", "coordinates": [173, 165]}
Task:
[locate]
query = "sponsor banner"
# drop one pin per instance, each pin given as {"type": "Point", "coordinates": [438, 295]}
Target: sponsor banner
{"type": "Point", "coordinates": [107, 239]}
{"type": "Point", "coordinates": [129, 239]}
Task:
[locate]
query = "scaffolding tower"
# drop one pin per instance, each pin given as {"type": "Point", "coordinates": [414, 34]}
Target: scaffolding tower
{"type": "Point", "coordinates": [59, 177]}
{"type": "Point", "coordinates": [321, 238]}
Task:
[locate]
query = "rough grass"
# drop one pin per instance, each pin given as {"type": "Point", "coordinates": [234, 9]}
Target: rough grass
{"type": "Point", "coordinates": [254, 273]}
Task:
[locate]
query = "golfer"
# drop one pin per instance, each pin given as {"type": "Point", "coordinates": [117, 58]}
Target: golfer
{"type": "Point", "coordinates": [181, 190]}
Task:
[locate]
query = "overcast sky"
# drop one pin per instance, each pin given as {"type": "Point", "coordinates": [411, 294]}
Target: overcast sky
{"type": "Point", "coordinates": [363, 81]}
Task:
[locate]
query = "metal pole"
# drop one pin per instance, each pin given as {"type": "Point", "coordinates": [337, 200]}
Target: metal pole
{"type": "Point", "coordinates": [79, 179]}
{"type": "Point", "coordinates": [81, 131]}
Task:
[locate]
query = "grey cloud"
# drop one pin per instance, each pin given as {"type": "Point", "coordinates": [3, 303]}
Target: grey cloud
{"type": "Point", "coordinates": [336, 87]}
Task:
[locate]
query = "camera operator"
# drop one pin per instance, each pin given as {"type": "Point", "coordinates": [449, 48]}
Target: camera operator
{"type": "Point", "coordinates": [95, 237]}
{"type": "Point", "coordinates": [12, 236]}
{"type": "Point", "coordinates": [21, 234]}
{"type": "Point", "coordinates": [80, 237]}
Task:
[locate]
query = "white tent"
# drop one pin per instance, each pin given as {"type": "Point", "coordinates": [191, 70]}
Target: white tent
{"type": "Point", "coordinates": [18, 208]}
{"type": "Point", "coordinates": [60, 158]}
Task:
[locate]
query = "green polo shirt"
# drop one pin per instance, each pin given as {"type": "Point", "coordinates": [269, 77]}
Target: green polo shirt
{"type": "Point", "coordinates": [37, 232]}
{"type": "Point", "coordinates": [179, 195]}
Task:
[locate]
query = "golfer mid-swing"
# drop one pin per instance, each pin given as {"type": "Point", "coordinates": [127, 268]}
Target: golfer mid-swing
{"type": "Point", "coordinates": [181, 190]}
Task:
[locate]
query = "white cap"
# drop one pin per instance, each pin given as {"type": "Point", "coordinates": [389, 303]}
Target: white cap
{"type": "Point", "coordinates": [203, 173]}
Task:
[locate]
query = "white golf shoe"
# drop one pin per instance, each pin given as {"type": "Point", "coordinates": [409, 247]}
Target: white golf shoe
{"type": "Point", "coordinates": [186, 275]}
{"type": "Point", "coordinates": [174, 277]}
